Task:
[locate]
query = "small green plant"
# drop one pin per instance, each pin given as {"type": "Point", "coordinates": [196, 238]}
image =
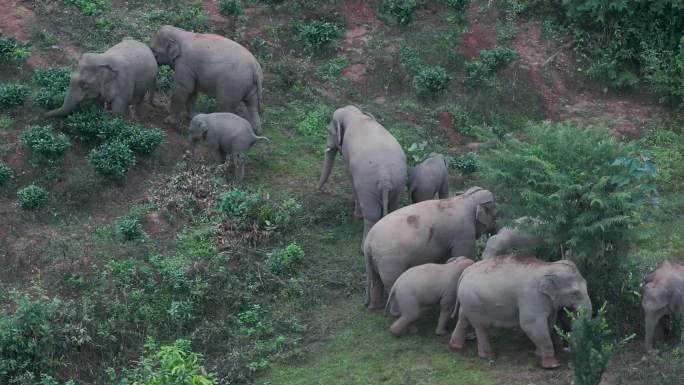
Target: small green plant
{"type": "Point", "coordinates": [86, 124]}
{"type": "Point", "coordinates": [488, 62]}
{"type": "Point", "coordinates": [6, 174]}
{"type": "Point", "coordinates": [130, 229]}
{"type": "Point", "coordinates": [259, 46]}
{"type": "Point", "coordinates": [238, 205]}
{"type": "Point", "coordinates": [47, 38]}
{"type": "Point", "coordinates": [44, 142]}
{"type": "Point", "coordinates": [312, 119]}
{"type": "Point", "coordinates": [417, 152]}
{"type": "Point", "coordinates": [13, 94]}
{"type": "Point", "coordinates": [430, 80]}
{"type": "Point", "coordinates": [32, 197]}
{"type": "Point", "coordinates": [11, 49]}
{"type": "Point", "coordinates": [164, 78]}
{"type": "Point", "coordinates": [190, 17]}
{"type": "Point", "coordinates": [466, 164]}
{"type": "Point", "coordinates": [317, 34]}
{"type": "Point", "coordinates": [53, 82]}
{"type": "Point", "coordinates": [112, 159]}
{"type": "Point", "coordinates": [285, 261]}
{"type": "Point", "coordinates": [231, 7]}
{"type": "Point", "coordinates": [400, 10]}
{"type": "Point", "coordinates": [90, 7]}
{"type": "Point", "coordinates": [143, 141]}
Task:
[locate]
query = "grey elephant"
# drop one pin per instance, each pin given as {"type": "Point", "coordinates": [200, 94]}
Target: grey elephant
{"type": "Point", "coordinates": [426, 232]}
{"type": "Point", "coordinates": [508, 239]}
{"type": "Point", "coordinates": [506, 291]}
{"type": "Point", "coordinates": [423, 286]}
{"type": "Point", "coordinates": [663, 294]}
{"type": "Point", "coordinates": [212, 64]}
{"type": "Point", "coordinates": [374, 160]}
{"type": "Point", "coordinates": [429, 178]}
{"type": "Point", "coordinates": [226, 134]}
{"type": "Point", "coordinates": [120, 76]}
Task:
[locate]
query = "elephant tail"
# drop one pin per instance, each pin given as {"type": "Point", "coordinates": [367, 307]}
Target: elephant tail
{"type": "Point", "coordinates": [390, 306]}
{"type": "Point", "coordinates": [258, 138]}
{"type": "Point", "coordinates": [455, 312]}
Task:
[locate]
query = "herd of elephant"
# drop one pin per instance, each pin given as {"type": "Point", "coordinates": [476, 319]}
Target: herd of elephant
{"type": "Point", "coordinates": [424, 253]}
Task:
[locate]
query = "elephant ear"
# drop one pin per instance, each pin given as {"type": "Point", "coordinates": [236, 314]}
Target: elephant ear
{"type": "Point", "coordinates": [338, 131]}
{"type": "Point", "coordinates": [549, 286]}
{"type": "Point", "coordinates": [106, 75]}
{"type": "Point", "coordinates": [369, 115]}
{"type": "Point", "coordinates": [173, 50]}
{"type": "Point", "coordinates": [484, 215]}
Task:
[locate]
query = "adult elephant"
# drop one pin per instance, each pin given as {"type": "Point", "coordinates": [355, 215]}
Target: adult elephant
{"type": "Point", "coordinates": [426, 232]}
{"type": "Point", "coordinates": [374, 159]}
{"type": "Point", "coordinates": [120, 76]}
{"type": "Point", "coordinates": [212, 64]}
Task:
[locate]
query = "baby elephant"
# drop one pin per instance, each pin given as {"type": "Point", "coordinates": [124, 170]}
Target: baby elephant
{"type": "Point", "coordinates": [225, 133]}
{"type": "Point", "coordinates": [428, 178]}
{"type": "Point", "coordinates": [506, 291]}
{"type": "Point", "coordinates": [423, 286]}
{"type": "Point", "coordinates": [663, 294]}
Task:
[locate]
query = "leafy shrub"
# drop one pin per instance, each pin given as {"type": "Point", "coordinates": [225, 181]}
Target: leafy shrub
{"type": "Point", "coordinates": [238, 205]}
{"type": "Point", "coordinates": [191, 17]}
{"type": "Point", "coordinates": [565, 177]}
{"type": "Point", "coordinates": [130, 229]}
{"type": "Point", "coordinates": [466, 164]}
{"type": "Point", "coordinates": [12, 49]}
{"type": "Point", "coordinates": [230, 7]}
{"type": "Point", "coordinates": [286, 260]}
{"type": "Point", "coordinates": [112, 159]}
{"type": "Point", "coordinates": [272, 2]}
{"type": "Point", "coordinates": [487, 63]}
{"type": "Point", "coordinates": [43, 141]}
{"type": "Point", "coordinates": [431, 80]}
{"type": "Point", "coordinates": [311, 119]}
{"type": "Point", "coordinates": [6, 174]}
{"type": "Point", "coordinates": [90, 7]}
{"type": "Point", "coordinates": [31, 197]}
{"type": "Point", "coordinates": [400, 10]}
{"type": "Point", "coordinates": [54, 82]}
{"type": "Point", "coordinates": [87, 123]}
{"type": "Point", "coordinates": [143, 141]}
{"type": "Point", "coordinates": [457, 4]}
{"type": "Point", "coordinates": [317, 34]}
{"type": "Point", "coordinates": [13, 94]}
{"type": "Point", "coordinates": [255, 211]}
{"type": "Point", "coordinates": [259, 46]}
{"type": "Point", "coordinates": [164, 78]}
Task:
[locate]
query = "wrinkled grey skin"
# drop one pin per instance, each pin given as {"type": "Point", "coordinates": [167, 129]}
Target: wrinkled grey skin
{"type": "Point", "coordinates": [374, 160]}
{"type": "Point", "coordinates": [120, 76]}
{"type": "Point", "coordinates": [663, 294]}
{"type": "Point", "coordinates": [507, 291]}
{"type": "Point", "coordinates": [508, 239]}
{"type": "Point", "coordinates": [226, 134]}
{"type": "Point", "coordinates": [423, 286]}
{"type": "Point", "coordinates": [428, 179]}
{"type": "Point", "coordinates": [212, 64]}
{"type": "Point", "coordinates": [426, 232]}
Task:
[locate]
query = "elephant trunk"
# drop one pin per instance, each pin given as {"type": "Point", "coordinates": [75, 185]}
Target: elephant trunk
{"type": "Point", "coordinates": [327, 166]}
{"type": "Point", "coordinates": [71, 101]}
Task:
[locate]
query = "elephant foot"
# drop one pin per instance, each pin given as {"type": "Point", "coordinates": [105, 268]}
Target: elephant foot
{"type": "Point", "coordinates": [440, 332]}
{"type": "Point", "coordinates": [550, 362]}
{"type": "Point", "coordinates": [375, 306]}
{"type": "Point", "coordinates": [413, 329]}
{"type": "Point", "coordinates": [486, 354]}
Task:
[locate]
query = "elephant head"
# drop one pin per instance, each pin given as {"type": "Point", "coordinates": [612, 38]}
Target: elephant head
{"type": "Point", "coordinates": [198, 130]}
{"type": "Point", "coordinates": [485, 213]}
{"type": "Point", "coordinates": [94, 77]}
{"type": "Point", "coordinates": [565, 287]}
{"type": "Point", "coordinates": [166, 45]}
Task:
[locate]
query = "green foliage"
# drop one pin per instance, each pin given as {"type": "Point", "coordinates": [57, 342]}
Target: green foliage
{"type": "Point", "coordinates": [458, 5]}
{"type": "Point", "coordinates": [32, 197]}
{"type": "Point", "coordinates": [311, 119]}
{"type": "Point", "coordinates": [12, 49]}
{"type": "Point", "coordinates": [256, 211]}
{"type": "Point", "coordinates": [130, 229]}
{"type": "Point", "coordinates": [400, 10]}
{"type": "Point", "coordinates": [164, 78]}
{"type": "Point", "coordinates": [286, 260]}
{"type": "Point", "coordinates": [565, 177]}
{"type": "Point", "coordinates": [47, 38]}
{"type": "Point", "coordinates": [90, 7]}
{"type": "Point", "coordinates": [86, 123]}
{"type": "Point", "coordinates": [488, 62]}
{"type": "Point", "coordinates": [417, 152]}
{"type": "Point", "coordinates": [190, 17]}
{"type": "Point", "coordinates": [13, 94]}
{"type": "Point", "coordinates": [238, 205]}
{"type": "Point", "coordinates": [6, 174]}
{"type": "Point", "coordinates": [466, 163]}
{"type": "Point", "coordinates": [231, 7]}
{"type": "Point", "coordinates": [43, 141]}
{"type": "Point", "coordinates": [143, 141]}
{"type": "Point", "coordinates": [316, 34]}
{"type": "Point", "coordinates": [272, 2]}
{"type": "Point", "coordinates": [112, 159]}
{"type": "Point", "coordinates": [430, 80]}
{"type": "Point", "coordinates": [53, 82]}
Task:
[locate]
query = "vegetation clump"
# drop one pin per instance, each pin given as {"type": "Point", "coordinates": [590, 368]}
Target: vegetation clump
{"type": "Point", "coordinates": [317, 34]}
{"type": "Point", "coordinates": [400, 10]}
{"type": "Point", "coordinates": [430, 80]}
{"type": "Point", "coordinates": [43, 141]}
{"type": "Point", "coordinates": [231, 7]}
{"type": "Point", "coordinates": [6, 174]}
{"type": "Point", "coordinates": [32, 197]}
{"type": "Point", "coordinates": [11, 49]}
{"type": "Point", "coordinates": [286, 260]}
{"type": "Point", "coordinates": [53, 82]}
{"type": "Point", "coordinates": [130, 229]}
{"type": "Point", "coordinates": [90, 7]}
{"type": "Point", "coordinates": [487, 63]}
{"type": "Point", "coordinates": [12, 95]}
{"type": "Point", "coordinates": [112, 159]}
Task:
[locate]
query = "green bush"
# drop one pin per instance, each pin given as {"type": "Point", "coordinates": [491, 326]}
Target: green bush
{"type": "Point", "coordinates": [143, 141]}
{"type": "Point", "coordinates": [53, 82]}
{"type": "Point", "coordinates": [458, 5]}
{"type": "Point", "coordinates": [286, 260]}
{"type": "Point", "coordinates": [190, 17]}
{"type": "Point", "coordinates": [255, 211]}
{"type": "Point", "coordinates": [90, 7]}
{"type": "Point", "coordinates": [400, 10]}
{"type": "Point", "coordinates": [238, 205]}
{"type": "Point", "coordinates": [317, 34]}
{"type": "Point", "coordinates": [565, 176]}
{"type": "Point", "coordinates": [487, 63]}
{"type": "Point", "coordinates": [230, 7]}
{"type": "Point", "coordinates": [164, 78]}
{"type": "Point", "coordinates": [130, 229]}
{"type": "Point", "coordinates": [31, 197]}
{"type": "Point", "coordinates": [43, 141]}
{"type": "Point", "coordinates": [431, 80]}
{"type": "Point", "coordinates": [11, 49]}
{"type": "Point", "coordinates": [112, 159]}
{"type": "Point", "coordinates": [6, 174]}
{"type": "Point", "coordinates": [86, 123]}
{"type": "Point", "coordinates": [13, 94]}
{"type": "Point", "coordinates": [466, 164]}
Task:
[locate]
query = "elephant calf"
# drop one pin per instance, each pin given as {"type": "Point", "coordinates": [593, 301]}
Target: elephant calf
{"type": "Point", "coordinates": [506, 291]}
{"type": "Point", "coordinates": [507, 239]}
{"type": "Point", "coordinates": [120, 76]}
{"type": "Point", "coordinates": [429, 178]}
{"type": "Point", "coordinates": [663, 294]}
{"type": "Point", "coordinates": [226, 134]}
{"type": "Point", "coordinates": [423, 286]}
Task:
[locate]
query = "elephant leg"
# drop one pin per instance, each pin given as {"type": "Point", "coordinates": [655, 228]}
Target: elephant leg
{"type": "Point", "coordinates": [372, 213]}
{"type": "Point", "coordinates": [402, 323]}
{"type": "Point", "coordinates": [537, 329]}
{"type": "Point", "coordinates": [413, 328]}
{"type": "Point", "coordinates": [484, 347]}
{"type": "Point", "coordinates": [651, 320]}
{"type": "Point", "coordinates": [120, 107]}
{"type": "Point", "coordinates": [216, 155]}
{"type": "Point", "coordinates": [444, 313]}
{"type": "Point", "coordinates": [191, 104]}
{"type": "Point", "coordinates": [253, 116]}
{"type": "Point", "coordinates": [458, 336]}
{"type": "Point", "coordinates": [376, 290]}
{"type": "Point", "coordinates": [444, 190]}
{"type": "Point", "coordinates": [357, 207]}
{"type": "Point", "coordinates": [393, 203]}
{"type": "Point", "coordinates": [239, 164]}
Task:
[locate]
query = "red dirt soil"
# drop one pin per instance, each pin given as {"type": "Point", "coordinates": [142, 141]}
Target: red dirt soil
{"type": "Point", "coordinates": [360, 21]}
{"type": "Point", "coordinates": [479, 36]}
